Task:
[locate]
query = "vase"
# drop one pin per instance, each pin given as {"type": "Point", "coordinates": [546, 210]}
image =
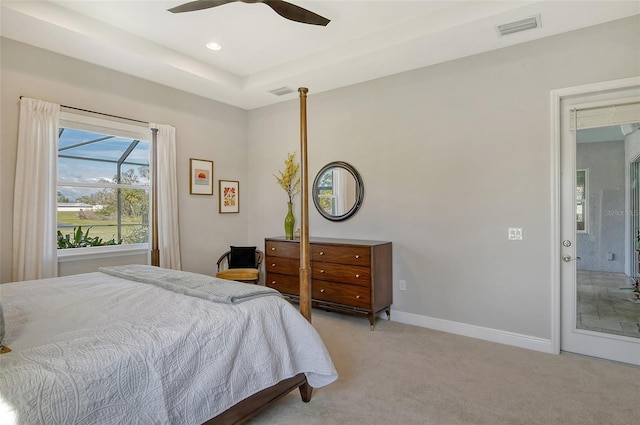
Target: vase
{"type": "Point", "coordinates": [289, 222]}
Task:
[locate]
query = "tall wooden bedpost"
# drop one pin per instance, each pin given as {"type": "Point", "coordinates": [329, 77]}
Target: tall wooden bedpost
{"type": "Point", "coordinates": [305, 269]}
{"type": "Point", "coordinates": [155, 252]}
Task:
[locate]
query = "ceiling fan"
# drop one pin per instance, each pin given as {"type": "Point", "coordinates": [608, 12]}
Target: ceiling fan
{"type": "Point", "coordinates": [282, 8]}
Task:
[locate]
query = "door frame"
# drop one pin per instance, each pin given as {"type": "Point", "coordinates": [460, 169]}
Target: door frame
{"type": "Point", "coordinates": [556, 96]}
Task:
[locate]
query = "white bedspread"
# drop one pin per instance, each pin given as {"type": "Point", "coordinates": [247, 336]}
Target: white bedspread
{"type": "Point", "coordinates": [98, 349]}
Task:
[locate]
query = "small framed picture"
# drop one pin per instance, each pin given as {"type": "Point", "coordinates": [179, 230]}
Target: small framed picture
{"type": "Point", "coordinates": [201, 177]}
{"type": "Point", "coordinates": [229, 193]}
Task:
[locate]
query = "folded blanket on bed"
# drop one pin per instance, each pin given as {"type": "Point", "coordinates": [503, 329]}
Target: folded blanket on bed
{"type": "Point", "coordinates": [192, 284]}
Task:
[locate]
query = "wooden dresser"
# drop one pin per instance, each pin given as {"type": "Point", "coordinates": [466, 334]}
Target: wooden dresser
{"type": "Point", "coordinates": [351, 276]}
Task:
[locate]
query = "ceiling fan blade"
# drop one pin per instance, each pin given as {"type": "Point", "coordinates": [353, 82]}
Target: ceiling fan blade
{"type": "Point", "coordinates": [199, 5]}
{"type": "Point", "coordinates": [296, 13]}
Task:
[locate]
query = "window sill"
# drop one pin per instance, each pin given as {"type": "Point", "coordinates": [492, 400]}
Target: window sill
{"type": "Point", "coordinates": [94, 252]}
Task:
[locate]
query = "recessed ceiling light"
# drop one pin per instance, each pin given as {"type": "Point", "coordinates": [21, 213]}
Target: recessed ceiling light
{"type": "Point", "coordinates": [214, 46]}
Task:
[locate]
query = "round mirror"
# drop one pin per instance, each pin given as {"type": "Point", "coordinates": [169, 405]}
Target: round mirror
{"type": "Point", "coordinates": [337, 191]}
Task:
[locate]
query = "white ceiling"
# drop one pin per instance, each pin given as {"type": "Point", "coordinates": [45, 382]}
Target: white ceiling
{"type": "Point", "coordinates": [263, 51]}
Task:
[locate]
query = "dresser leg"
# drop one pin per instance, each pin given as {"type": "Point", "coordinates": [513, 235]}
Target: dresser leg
{"type": "Point", "coordinates": [388, 311]}
{"type": "Point", "coordinates": [372, 320]}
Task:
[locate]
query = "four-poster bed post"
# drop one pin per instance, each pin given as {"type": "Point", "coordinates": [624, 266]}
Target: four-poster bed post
{"type": "Point", "coordinates": [305, 264]}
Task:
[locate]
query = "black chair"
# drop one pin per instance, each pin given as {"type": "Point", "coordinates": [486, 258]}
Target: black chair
{"type": "Point", "coordinates": [240, 263]}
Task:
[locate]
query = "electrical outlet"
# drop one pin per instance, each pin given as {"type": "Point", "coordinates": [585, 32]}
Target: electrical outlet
{"type": "Point", "coordinates": [515, 233]}
{"type": "Point", "coordinates": [402, 285]}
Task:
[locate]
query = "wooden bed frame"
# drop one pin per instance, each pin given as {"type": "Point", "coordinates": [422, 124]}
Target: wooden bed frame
{"type": "Point", "coordinates": [253, 405]}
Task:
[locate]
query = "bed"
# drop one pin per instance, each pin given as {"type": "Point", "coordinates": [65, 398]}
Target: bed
{"type": "Point", "coordinates": [114, 348]}
{"type": "Point", "coordinates": [118, 346]}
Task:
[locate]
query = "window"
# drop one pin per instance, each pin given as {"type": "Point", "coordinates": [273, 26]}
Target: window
{"type": "Point", "coordinates": [582, 205]}
{"type": "Point", "coordinates": [326, 194]}
{"type": "Point", "coordinates": [103, 182]}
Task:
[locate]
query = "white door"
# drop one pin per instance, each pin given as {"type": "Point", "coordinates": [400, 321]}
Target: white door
{"type": "Point", "coordinates": [577, 110]}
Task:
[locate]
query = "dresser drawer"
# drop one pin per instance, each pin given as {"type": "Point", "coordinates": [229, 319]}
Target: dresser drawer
{"type": "Point", "coordinates": [286, 284]}
{"type": "Point", "coordinates": [341, 273]}
{"type": "Point", "coordinates": [282, 249]}
{"type": "Point", "coordinates": [280, 265]}
{"type": "Point", "coordinates": [353, 255]}
{"type": "Point", "coordinates": [356, 296]}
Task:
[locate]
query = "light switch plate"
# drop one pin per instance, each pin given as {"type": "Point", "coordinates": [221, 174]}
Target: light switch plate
{"type": "Point", "coordinates": [515, 233]}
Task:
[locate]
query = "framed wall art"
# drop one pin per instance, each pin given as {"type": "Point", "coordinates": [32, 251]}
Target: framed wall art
{"type": "Point", "coordinates": [200, 177]}
{"type": "Point", "coordinates": [229, 194]}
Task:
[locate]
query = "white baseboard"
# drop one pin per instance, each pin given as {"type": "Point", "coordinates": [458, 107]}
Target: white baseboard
{"type": "Point", "coordinates": [487, 334]}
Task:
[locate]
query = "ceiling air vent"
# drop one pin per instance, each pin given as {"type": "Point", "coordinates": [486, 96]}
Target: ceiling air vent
{"type": "Point", "coordinates": [281, 91]}
{"type": "Point", "coordinates": [523, 25]}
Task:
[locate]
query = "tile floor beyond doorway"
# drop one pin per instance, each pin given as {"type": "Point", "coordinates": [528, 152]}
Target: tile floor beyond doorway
{"type": "Point", "coordinates": [604, 307]}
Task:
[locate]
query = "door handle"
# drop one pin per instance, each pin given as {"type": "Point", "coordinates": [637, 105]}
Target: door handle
{"type": "Point", "coordinates": [567, 258]}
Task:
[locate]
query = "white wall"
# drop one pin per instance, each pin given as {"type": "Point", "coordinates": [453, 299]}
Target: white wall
{"type": "Point", "coordinates": [205, 129]}
{"type": "Point", "coordinates": [68, 267]}
{"type": "Point", "coordinates": [452, 156]}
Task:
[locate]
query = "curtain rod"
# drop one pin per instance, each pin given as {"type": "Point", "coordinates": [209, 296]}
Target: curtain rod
{"type": "Point", "coordinates": [101, 113]}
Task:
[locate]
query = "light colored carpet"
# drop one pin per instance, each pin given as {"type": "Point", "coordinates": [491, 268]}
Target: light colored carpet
{"type": "Point", "coordinates": [403, 374]}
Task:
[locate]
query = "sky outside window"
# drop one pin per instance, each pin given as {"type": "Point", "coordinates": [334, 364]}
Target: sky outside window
{"type": "Point", "coordinates": [84, 148]}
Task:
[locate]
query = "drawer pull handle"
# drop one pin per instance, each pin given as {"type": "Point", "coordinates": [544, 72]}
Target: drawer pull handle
{"type": "Point", "coordinates": [273, 282]}
{"type": "Point", "coordinates": [273, 249]}
{"type": "Point", "coordinates": [357, 275]}
{"type": "Point", "coordinates": [357, 256]}
{"type": "Point", "coordinates": [322, 290]}
{"type": "Point", "coordinates": [321, 252]}
{"type": "Point", "coordinates": [357, 297]}
{"type": "Point", "coordinates": [322, 271]}
{"type": "Point", "coordinates": [273, 264]}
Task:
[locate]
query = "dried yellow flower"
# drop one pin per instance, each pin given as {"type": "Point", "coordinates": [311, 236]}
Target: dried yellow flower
{"type": "Point", "coordinates": [287, 178]}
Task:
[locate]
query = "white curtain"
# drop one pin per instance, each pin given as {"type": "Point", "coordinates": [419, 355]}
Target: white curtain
{"type": "Point", "coordinates": [167, 191]}
{"type": "Point", "coordinates": [35, 199]}
{"type": "Point", "coordinates": [340, 190]}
